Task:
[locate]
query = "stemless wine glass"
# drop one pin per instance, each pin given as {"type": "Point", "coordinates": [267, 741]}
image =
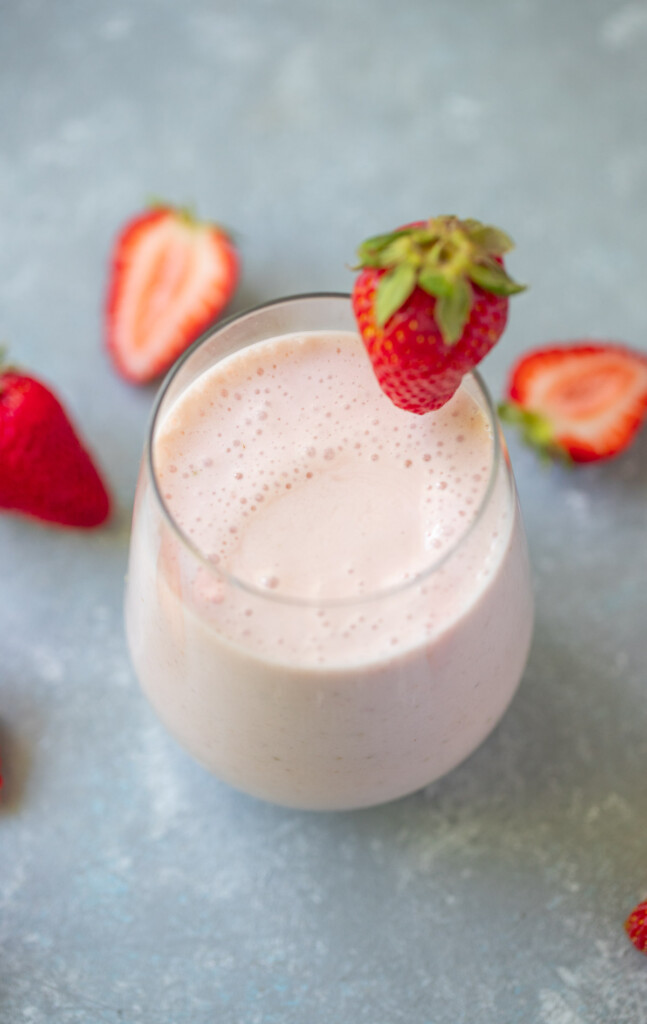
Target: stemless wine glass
{"type": "Point", "coordinates": [364, 721]}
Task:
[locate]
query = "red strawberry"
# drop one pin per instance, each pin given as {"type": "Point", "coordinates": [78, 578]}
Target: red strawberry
{"type": "Point", "coordinates": [430, 302]}
{"type": "Point", "coordinates": [44, 469]}
{"type": "Point", "coordinates": [171, 276]}
{"type": "Point", "coordinates": [583, 400]}
{"type": "Point", "coordinates": [636, 926]}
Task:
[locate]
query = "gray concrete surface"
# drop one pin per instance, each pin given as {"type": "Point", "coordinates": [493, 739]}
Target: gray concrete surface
{"type": "Point", "coordinates": [136, 889]}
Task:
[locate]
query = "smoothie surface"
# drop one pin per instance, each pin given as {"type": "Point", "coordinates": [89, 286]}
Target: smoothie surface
{"type": "Point", "coordinates": [287, 466]}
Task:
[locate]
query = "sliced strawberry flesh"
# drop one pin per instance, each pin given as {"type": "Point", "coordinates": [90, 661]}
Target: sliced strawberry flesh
{"type": "Point", "coordinates": [167, 267]}
{"type": "Point", "coordinates": [172, 276]}
{"type": "Point", "coordinates": [582, 392]}
{"type": "Point", "coordinates": [595, 397]}
{"type": "Point", "coordinates": [170, 270]}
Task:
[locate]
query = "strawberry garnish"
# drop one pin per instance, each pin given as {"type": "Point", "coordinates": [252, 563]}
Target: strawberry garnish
{"type": "Point", "coordinates": [45, 471]}
{"type": "Point", "coordinates": [636, 926]}
{"type": "Point", "coordinates": [583, 400]}
{"type": "Point", "coordinates": [171, 276]}
{"type": "Point", "coordinates": [430, 302]}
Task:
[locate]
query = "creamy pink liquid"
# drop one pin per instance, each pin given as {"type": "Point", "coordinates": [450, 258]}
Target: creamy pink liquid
{"type": "Point", "coordinates": [359, 613]}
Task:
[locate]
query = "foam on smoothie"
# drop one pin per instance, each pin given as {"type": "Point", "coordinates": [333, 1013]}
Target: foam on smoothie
{"type": "Point", "coordinates": [287, 466]}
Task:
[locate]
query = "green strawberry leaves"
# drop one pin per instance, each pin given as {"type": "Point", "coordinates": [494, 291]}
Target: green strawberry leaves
{"type": "Point", "coordinates": [492, 277]}
{"type": "Point", "coordinates": [394, 289]}
{"type": "Point", "coordinates": [536, 430]}
{"type": "Point", "coordinates": [453, 310]}
{"type": "Point", "coordinates": [447, 258]}
{"type": "Point", "coordinates": [492, 239]}
{"type": "Point", "coordinates": [374, 251]}
{"type": "Point", "coordinates": [434, 283]}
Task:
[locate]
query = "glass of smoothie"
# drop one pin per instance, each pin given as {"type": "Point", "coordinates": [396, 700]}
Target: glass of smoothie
{"type": "Point", "coordinates": [328, 599]}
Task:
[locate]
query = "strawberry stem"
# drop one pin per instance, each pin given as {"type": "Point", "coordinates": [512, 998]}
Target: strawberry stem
{"type": "Point", "coordinates": [189, 215]}
{"type": "Point", "coordinates": [536, 430]}
{"type": "Point", "coordinates": [186, 213]}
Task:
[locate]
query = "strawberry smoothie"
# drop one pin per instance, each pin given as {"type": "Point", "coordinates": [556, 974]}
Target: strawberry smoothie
{"type": "Point", "coordinates": [328, 600]}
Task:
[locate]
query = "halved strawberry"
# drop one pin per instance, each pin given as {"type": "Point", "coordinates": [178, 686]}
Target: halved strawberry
{"type": "Point", "coordinates": [583, 400]}
{"type": "Point", "coordinates": [171, 276]}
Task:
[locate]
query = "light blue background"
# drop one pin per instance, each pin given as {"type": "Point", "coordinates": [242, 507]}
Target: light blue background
{"type": "Point", "coordinates": [134, 888]}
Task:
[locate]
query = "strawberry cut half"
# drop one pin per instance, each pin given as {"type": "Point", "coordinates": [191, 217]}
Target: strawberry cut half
{"type": "Point", "coordinates": [171, 276]}
{"type": "Point", "coordinates": [583, 400]}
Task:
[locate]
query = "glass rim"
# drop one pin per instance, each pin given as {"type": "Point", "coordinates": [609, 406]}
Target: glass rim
{"type": "Point", "coordinates": [287, 599]}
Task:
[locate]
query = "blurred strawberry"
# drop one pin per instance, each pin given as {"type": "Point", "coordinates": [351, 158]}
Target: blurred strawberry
{"type": "Point", "coordinates": [171, 276]}
{"type": "Point", "coordinates": [583, 400]}
{"type": "Point", "coordinates": [636, 926]}
{"type": "Point", "coordinates": [45, 471]}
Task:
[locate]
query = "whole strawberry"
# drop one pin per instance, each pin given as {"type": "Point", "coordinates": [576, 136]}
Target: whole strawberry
{"type": "Point", "coordinates": [430, 302]}
{"type": "Point", "coordinates": [636, 927]}
{"type": "Point", "coordinates": [44, 469]}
